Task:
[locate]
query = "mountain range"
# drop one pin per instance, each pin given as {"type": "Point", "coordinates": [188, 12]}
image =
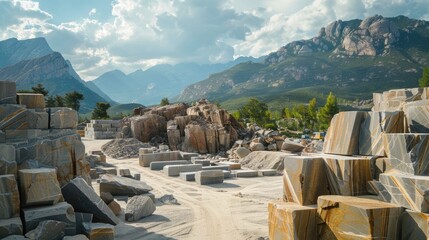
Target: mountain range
{"type": "Point", "coordinates": [352, 59]}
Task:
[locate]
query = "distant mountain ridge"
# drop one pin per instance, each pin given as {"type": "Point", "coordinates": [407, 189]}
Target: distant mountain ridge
{"type": "Point", "coordinates": [351, 58]}
{"type": "Point", "coordinates": [32, 61]}
{"type": "Point", "coordinates": [150, 86]}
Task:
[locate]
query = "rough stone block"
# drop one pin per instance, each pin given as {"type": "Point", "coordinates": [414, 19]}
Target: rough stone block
{"type": "Point", "coordinates": [146, 159]}
{"type": "Point", "coordinates": [209, 177]}
{"type": "Point", "coordinates": [246, 173]}
{"type": "Point", "coordinates": [267, 172]}
{"type": "Point", "coordinates": [11, 226]}
{"type": "Point", "coordinates": [410, 152]}
{"type": "Point", "coordinates": [226, 174]}
{"type": "Point", "coordinates": [7, 92]}
{"type": "Point", "coordinates": [414, 225]}
{"type": "Point", "coordinates": [364, 217]}
{"type": "Point", "coordinates": [217, 167]}
{"type": "Point", "coordinates": [145, 151]}
{"type": "Point", "coordinates": [63, 118]}
{"type": "Point", "coordinates": [49, 229]}
{"type": "Point", "coordinates": [31, 100]}
{"type": "Point", "coordinates": [160, 165]}
{"type": "Point", "coordinates": [347, 175]}
{"type": "Point", "coordinates": [9, 197]}
{"type": "Point", "coordinates": [115, 207]}
{"type": "Point", "coordinates": [8, 163]}
{"type": "Point", "coordinates": [187, 176]}
{"type": "Point", "coordinates": [62, 212]}
{"type": "Point", "coordinates": [139, 207]}
{"type": "Point", "coordinates": [204, 162]}
{"type": "Point", "coordinates": [99, 231]}
{"type": "Point", "coordinates": [342, 136]}
{"type": "Point", "coordinates": [122, 186]}
{"type": "Point", "coordinates": [175, 170]}
{"type": "Point", "coordinates": [38, 120]}
{"type": "Point", "coordinates": [290, 221]}
{"type": "Point", "coordinates": [304, 179]}
{"type": "Point", "coordinates": [39, 187]}
{"type": "Point", "coordinates": [417, 114]}
{"type": "Point", "coordinates": [232, 165]}
{"type": "Point", "coordinates": [373, 127]}
{"type": "Point", "coordinates": [125, 173]}
{"type": "Point", "coordinates": [84, 199]}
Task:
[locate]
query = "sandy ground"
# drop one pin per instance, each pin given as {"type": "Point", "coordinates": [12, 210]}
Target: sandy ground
{"type": "Point", "coordinates": [235, 209]}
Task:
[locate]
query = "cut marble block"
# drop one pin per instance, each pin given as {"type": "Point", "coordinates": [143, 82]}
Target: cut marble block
{"type": "Point", "coordinates": [8, 163]}
{"type": "Point", "coordinates": [62, 211]}
{"type": "Point", "coordinates": [304, 179]}
{"type": "Point", "coordinates": [11, 226]}
{"type": "Point", "coordinates": [63, 118]}
{"type": "Point", "coordinates": [146, 158]}
{"type": "Point", "coordinates": [39, 187]}
{"type": "Point", "coordinates": [232, 165]}
{"type": "Point", "coordinates": [160, 165]}
{"type": "Point", "coordinates": [175, 170]}
{"type": "Point", "coordinates": [291, 221]}
{"type": "Point", "coordinates": [414, 225]}
{"type": "Point", "coordinates": [267, 172]}
{"type": "Point", "coordinates": [342, 136]}
{"type": "Point", "coordinates": [7, 92]}
{"type": "Point", "coordinates": [31, 100]}
{"type": "Point", "coordinates": [365, 217]}
{"type": "Point", "coordinates": [376, 123]}
{"type": "Point", "coordinates": [410, 150]}
{"type": "Point", "coordinates": [408, 191]}
{"type": "Point", "coordinates": [417, 114]}
{"type": "Point", "coordinates": [9, 197]}
{"type": "Point", "coordinates": [209, 177]}
{"type": "Point", "coordinates": [246, 173]}
{"type": "Point", "coordinates": [347, 175]}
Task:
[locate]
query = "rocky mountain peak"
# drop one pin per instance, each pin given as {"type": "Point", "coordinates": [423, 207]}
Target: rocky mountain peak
{"type": "Point", "coordinates": [13, 50]}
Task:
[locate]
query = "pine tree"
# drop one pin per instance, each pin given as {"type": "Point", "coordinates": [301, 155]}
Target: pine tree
{"type": "Point", "coordinates": [39, 88]}
{"type": "Point", "coordinates": [100, 111]}
{"type": "Point", "coordinates": [328, 111]}
{"type": "Point", "coordinates": [50, 101]}
{"type": "Point", "coordinates": [72, 100]}
{"type": "Point", "coordinates": [59, 101]}
{"type": "Point", "coordinates": [164, 102]}
{"type": "Point", "coordinates": [424, 80]}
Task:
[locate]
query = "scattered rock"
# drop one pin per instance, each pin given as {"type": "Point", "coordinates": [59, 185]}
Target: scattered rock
{"type": "Point", "coordinates": [292, 146]}
{"type": "Point", "coordinates": [106, 197]}
{"type": "Point", "coordinates": [254, 146]}
{"type": "Point", "coordinates": [139, 207]}
{"type": "Point", "coordinates": [115, 207]}
{"type": "Point", "coordinates": [124, 148]}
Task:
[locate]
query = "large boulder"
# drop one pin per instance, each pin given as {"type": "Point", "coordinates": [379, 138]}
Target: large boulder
{"type": "Point", "coordinates": [139, 207]}
{"type": "Point", "coordinates": [122, 186]}
{"type": "Point", "coordinates": [145, 127]}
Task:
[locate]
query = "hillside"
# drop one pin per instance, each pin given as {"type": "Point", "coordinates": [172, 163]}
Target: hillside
{"type": "Point", "coordinates": [350, 58]}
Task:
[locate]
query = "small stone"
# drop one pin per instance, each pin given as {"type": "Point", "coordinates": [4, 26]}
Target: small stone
{"type": "Point", "coordinates": [292, 146]}
{"type": "Point", "coordinates": [256, 147]}
{"type": "Point", "coordinates": [139, 207]}
{"type": "Point", "coordinates": [242, 152]}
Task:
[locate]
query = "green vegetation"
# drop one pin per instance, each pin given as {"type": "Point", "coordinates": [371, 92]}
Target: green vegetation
{"type": "Point", "coordinates": [164, 102]}
{"type": "Point", "coordinates": [255, 111]}
{"type": "Point", "coordinates": [122, 110]}
{"type": "Point", "coordinates": [39, 88]}
{"type": "Point", "coordinates": [424, 80]}
{"type": "Point", "coordinates": [328, 111]}
{"type": "Point", "coordinates": [72, 100]}
{"type": "Point", "coordinates": [100, 111]}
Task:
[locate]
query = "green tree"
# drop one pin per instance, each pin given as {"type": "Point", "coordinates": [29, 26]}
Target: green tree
{"type": "Point", "coordinates": [255, 111]}
{"type": "Point", "coordinates": [424, 80]}
{"type": "Point", "coordinates": [50, 101]}
{"type": "Point", "coordinates": [328, 111]}
{"type": "Point", "coordinates": [312, 113]}
{"type": "Point", "coordinates": [100, 111]}
{"type": "Point", "coordinates": [39, 88]}
{"type": "Point", "coordinates": [164, 102]}
{"type": "Point", "coordinates": [72, 100]}
{"type": "Point", "coordinates": [59, 101]}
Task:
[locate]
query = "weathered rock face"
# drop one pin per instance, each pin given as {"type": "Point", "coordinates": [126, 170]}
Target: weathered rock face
{"type": "Point", "coordinates": [49, 229]}
{"type": "Point", "coordinates": [265, 160]}
{"type": "Point", "coordinates": [169, 112]}
{"type": "Point", "coordinates": [414, 225]}
{"type": "Point", "coordinates": [7, 92]}
{"type": "Point", "coordinates": [373, 127]}
{"type": "Point", "coordinates": [9, 197]}
{"type": "Point", "coordinates": [145, 127]}
{"type": "Point", "coordinates": [8, 160]}
{"type": "Point", "coordinates": [139, 207]}
{"type": "Point", "coordinates": [122, 186]}
{"type": "Point", "coordinates": [242, 152]}
{"type": "Point", "coordinates": [394, 100]}
{"type": "Point", "coordinates": [39, 187]}
{"type": "Point", "coordinates": [417, 114]}
{"type": "Point", "coordinates": [357, 218]}
{"type": "Point", "coordinates": [343, 133]}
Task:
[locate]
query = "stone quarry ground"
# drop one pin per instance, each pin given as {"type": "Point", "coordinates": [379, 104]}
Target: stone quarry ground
{"type": "Point", "coordinates": [236, 209]}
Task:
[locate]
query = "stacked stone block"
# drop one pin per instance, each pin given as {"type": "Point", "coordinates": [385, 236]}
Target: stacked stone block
{"type": "Point", "coordinates": [102, 129]}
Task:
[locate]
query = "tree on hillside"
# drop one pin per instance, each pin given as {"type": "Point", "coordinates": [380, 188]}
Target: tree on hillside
{"type": "Point", "coordinates": [72, 100]}
{"type": "Point", "coordinates": [59, 101]}
{"type": "Point", "coordinates": [50, 101]}
{"type": "Point", "coordinates": [328, 111]}
{"type": "Point", "coordinates": [255, 111]}
{"type": "Point", "coordinates": [164, 102]}
{"type": "Point", "coordinates": [424, 80]}
{"type": "Point", "coordinates": [100, 111]}
{"type": "Point", "coordinates": [39, 88]}
{"type": "Point", "coordinates": [312, 113]}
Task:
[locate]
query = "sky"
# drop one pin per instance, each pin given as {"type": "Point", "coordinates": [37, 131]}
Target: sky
{"type": "Point", "coordinates": [102, 35]}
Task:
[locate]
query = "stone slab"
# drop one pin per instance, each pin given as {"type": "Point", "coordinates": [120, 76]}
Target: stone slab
{"type": "Point", "coordinates": [84, 199]}
{"type": "Point", "coordinates": [204, 162]}
{"type": "Point", "coordinates": [267, 172]}
{"type": "Point", "coordinates": [232, 165]}
{"type": "Point", "coordinates": [373, 127]}
{"type": "Point", "coordinates": [188, 156]}
{"type": "Point", "coordinates": [39, 186]}
{"type": "Point", "coordinates": [9, 197]}
{"type": "Point", "coordinates": [226, 174]}
{"type": "Point", "coordinates": [187, 176]}
{"type": "Point", "coordinates": [99, 231]}
{"type": "Point", "coordinates": [304, 179]}
{"type": "Point", "coordinates": [7, 92]}
{"type": "Point", "coordinates": [49, 229]}
{"type": "Point", "coordinates": [342, 136]}
{"type": "Point", "coordinates": [246, 173]}
{"type": "Point", "coordinates": [417, 114]}
{"type": "Point", "coordinates": [11, 226]}
{"type": "Point", "coordinates": [218, 167]}
{"type": "Point", "coordinates": [175, 170]}
{"type": "Point", "coordinates": [62, 211]}
{"type": "Point", "coordinates": [146, 159]}
{"type": "Point", "coordinates": [364, 217]}
{"type": "Point", "coordinates": [207, 177]}
{"type": "Point", "coordinates": [160, 165]}
{"type": "Point", "coordinates": [122, 186]}
{"type": "Point", "coordinates": [31, 100]}
{"type": "Point", "coordinates": [290, 221]}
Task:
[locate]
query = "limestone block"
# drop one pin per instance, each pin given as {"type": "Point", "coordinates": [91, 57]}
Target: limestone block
{"type": "Point", "coordinates": [188, 155]}
{"type": "Point", "coordinates": [39, 187]}
{"type": "Point", "coordinates": [146, 159]}
{"type": "Point", "coordinates": [414, 225]}
{"type": "Point", "coordinates": [410, 152]}
{"type": "Point", "coordinates": [187, 176]}
{"type": "Point", "coordinates": [204, 162]}
{"type": "Point", "coordinates": [8, 163]}
{"type": "Point", "coordinates": [195, 138]}
{"type": "Point", "coordinates": [218, 167]}
{"type": "Point", "coordinates": [31, 100]}
{"type": "Point", "coordinates": [139, 207]}
{"type": "Point", "coordinates": [145, 151]}
{"type": "Point", "coordinates": [99, 231]}
{"type": "Point", "coordinates": [364, 217]}
{"type": "Point", "coordinates": [62, 212]}
{"type": "Point", "coordinates": [232, 165]}
{"type": "Point", "coordinates": [417, 114]}
{"type": "Point", "coordinates": [342, 136]}
{"type": "Point", "coordinates": [304, 179]}
{"type": "Point", "coordinates": [408, 191]}
{"type": "Point", "coordinates": [115, 207]}
{"type": "Point", "coordinates": [25, 134]}
{"type": "Point", "coordinates": [84, 199]}
{"type": "Point", "coordinates": [13, 117]}
{"type": "Point", "coordinates": [38, 120]}
{"type": "Point", "coordinates": [248, 173]}
{"type": "Point", "coordinates": [209, 177]}
{"type": "Point", "coordinates": [7, 92]}
{"type": "Point", "coordinates": [267, 172]}
{"type": "Point", "coordinates": [175, 170]}
{"type": "Point", "coordinates": [373, 127]}
{"type": "Point", "coordinates": [347, 175]}
{"type": "Point", "coordinates": [9, 197]}
{"type": "Point", "coordinates": [11, 226]}
{"type": "Point", "coordinates": [49, 229]}
{"type": "Point", "coordinates": [160, 165]}
{"type": "Point", "coordinates": [63, 118]}
{"type": "Point", "coordinates": [122, 186]}
{"type": "Point", "coordinates": [290, 221]}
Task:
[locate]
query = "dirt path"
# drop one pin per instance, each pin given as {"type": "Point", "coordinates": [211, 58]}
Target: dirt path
{"type": "Point", "coordinates": [236, 209]}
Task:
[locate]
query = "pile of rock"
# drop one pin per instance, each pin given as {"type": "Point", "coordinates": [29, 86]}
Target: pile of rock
{"type": "Point", "coordinates": [123, 148]}
{"type": "Point", "coordinates": [103, 129]}
{"type": "Point", "coordinates": [370, 183]}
